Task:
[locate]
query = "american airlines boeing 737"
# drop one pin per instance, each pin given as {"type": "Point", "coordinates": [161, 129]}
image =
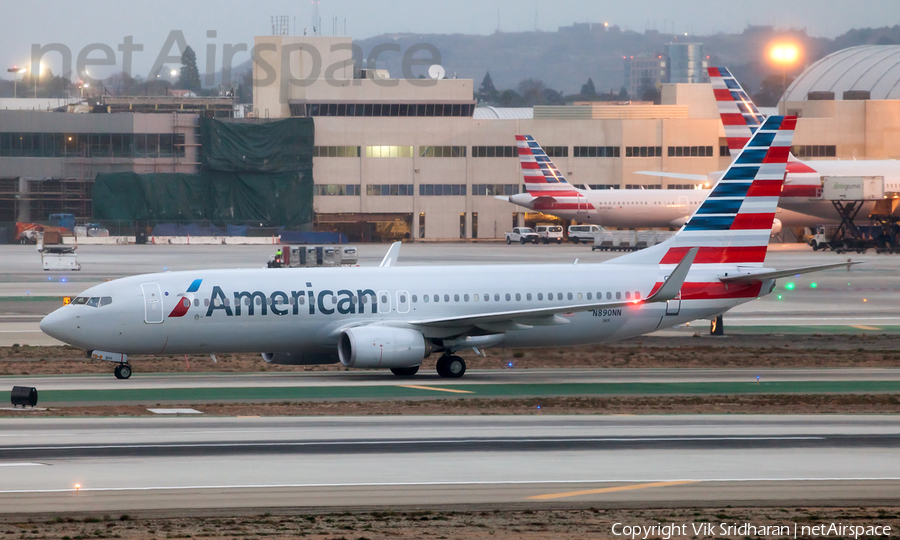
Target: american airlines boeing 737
{"type": "Point", "coordinates": [392, 317]}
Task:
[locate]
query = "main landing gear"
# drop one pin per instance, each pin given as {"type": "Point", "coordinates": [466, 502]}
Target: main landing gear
{"type": "Point", "coordinates": [123, 371]}
{"type": "Point", "coordinates": [451, 367]}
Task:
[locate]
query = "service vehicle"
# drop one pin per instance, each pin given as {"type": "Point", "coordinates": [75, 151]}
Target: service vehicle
{"type": "Point", "coordinates": [522, 235]}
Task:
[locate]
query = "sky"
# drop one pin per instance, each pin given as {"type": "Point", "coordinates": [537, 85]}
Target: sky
{"type": "Point", "coordinates": [41, 22]}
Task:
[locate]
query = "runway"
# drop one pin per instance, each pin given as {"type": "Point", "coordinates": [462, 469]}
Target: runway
{"type": "Point", "coordinates": [376, 462]}
{"type": "Point", "coordinates": [473, 377]}
{"type": "Point", "coordinates": [199, 388]}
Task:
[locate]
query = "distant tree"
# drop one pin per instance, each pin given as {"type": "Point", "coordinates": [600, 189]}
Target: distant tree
{"type": "Point", "coordinates": [189, 78]}
{"type": "Point", "coordinates": [771, 90]}
{"type": "Point", "coordinates": [532, 91]}
{"type": "Point", "coordinates": [553, 97]}
{"type": "Point", "coordinates": [510, 98]}
{"type": "Point", "coordinates": [122, 84]}
{"type": "Point", "coordinates": [588, 92]}
{"type": "Point", "coordinates": [648, 91]}
{"type": "Point", "coordinates": [487, 93]}
{"type": "Point", "coordinates": [623, 94]}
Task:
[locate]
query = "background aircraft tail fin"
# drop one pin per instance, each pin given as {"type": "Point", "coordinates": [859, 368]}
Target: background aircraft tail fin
{"type": "Point", "coordinates": [540, 174]}
{"type": "Point", "coordinates": [739, 114]}
{"type": "Point", "coordinates": [733, 224]}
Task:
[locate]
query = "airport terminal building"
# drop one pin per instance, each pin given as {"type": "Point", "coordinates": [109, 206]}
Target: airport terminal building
{"type": "Point", "coordinates": [419, 158]}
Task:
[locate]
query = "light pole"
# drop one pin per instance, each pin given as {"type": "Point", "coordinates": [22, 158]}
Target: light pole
{"type": "Point", "coordinates": [784, 55]}
{"type": "Point", "coordinates": [16, 71]}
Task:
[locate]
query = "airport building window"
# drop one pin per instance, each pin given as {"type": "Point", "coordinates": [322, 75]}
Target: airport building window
{"type": "Point", "coordinates": [643, 186]}
{"type": "Point", "coordinates": [92, 145]}
{"type": "Point", "coordinates": [389, 151]}
{"type": "Point", "coordinates": [335, 151]}
{"type": "Point", "coordinates": [442, 151]}
{"type": "Point", "coordinates": [495, 151]}
{"type": "Point", "coordinates": [462, 225]}
{"type": "Point", "coordinates": [337, 189]}
{"type": "Point", "coordinates": [724, 151]}
{"type": "Point", "coordinates": [495, 189]}
{"type": "Point", "coordinates": [691, 151]}
{"type": "Point", "coordinates": [681, 186]}
{"type": "Point", "coordinates": [556, 151]}
{"type": "Point", "coordinates": [421, 224]}
{"type": "Point", "coordinates": [401, 190]}
{"type": "Point", "coordinates": [441, 189]}
{"type": "Point", "coordinates": [596, 151]}
{"type": "Point", "coordinates": [382, 109]}
{"type": "Point", "coordinates": [643, 151]}
{"type": "Point", "coordinates": [814, 150]}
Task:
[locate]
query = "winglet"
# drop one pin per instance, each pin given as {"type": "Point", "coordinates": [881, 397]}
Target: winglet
{"type": "Point", "coordinates": [672, 286]}
{"type": "Point", "coordinates": [391, 256]}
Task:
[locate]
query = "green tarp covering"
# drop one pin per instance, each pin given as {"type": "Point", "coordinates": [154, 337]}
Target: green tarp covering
{"type": "Point", "coordinates": [285, 145]}
{"type": "Point", "coordinates": [251, 172]}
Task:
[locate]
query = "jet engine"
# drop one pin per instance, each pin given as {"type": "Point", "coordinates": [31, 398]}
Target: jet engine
{"type": "Point", "coordinates": [776, 227]}
{"type": "Point", "coordinates": [371, 347]}
{"type": "Point", "coordinates": [301, 358]}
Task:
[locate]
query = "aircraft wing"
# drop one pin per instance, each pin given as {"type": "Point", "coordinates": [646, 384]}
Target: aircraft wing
{"type": "Point", "coordinates": [683, 176]}
{"type": "Point", "coordinates": [520, 319]}
{"type": "Point", "coordinates": [773, 274]}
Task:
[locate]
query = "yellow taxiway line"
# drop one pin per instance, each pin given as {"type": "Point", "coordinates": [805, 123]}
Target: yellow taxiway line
{"type": "Point", "coordinates": [609, 490]}
{"type": "Point", "coordinates": [435, 389]}
{"type": "Point", "coordinates": [864, 327]}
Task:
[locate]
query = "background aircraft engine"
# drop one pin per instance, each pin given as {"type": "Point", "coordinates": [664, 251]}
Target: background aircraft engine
{"type": "Point", "coordinates": [776, 226]}
{"type": "Point", "coordinates": [301, 358]}
{"type": "Point", "coordinates": [382, 347]}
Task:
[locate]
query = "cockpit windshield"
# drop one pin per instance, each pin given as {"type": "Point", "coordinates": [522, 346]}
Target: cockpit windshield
{"type": "Point", "coordinates": [92, 301]}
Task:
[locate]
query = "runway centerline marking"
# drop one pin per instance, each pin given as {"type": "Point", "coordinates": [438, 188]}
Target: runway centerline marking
{"type": "Point", "coordinates": [22, 464]}
{"type": "Point", "coordinates": [548, 496]}
{"type": "Point", "coordinates": [435, 389]}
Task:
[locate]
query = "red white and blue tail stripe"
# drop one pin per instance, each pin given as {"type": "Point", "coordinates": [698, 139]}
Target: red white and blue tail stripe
{"type": "Point", "coordinates": [544, 182]}
{"type": "Point", "coordinates": [733, 224]}
{"type": "Point", "coordinates": [739, 115]}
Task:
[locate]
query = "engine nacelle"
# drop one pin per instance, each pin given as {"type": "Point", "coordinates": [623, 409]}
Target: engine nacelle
{"type": "Point", "coordinates": [776, 227]}
{"type": "Point", "coordinates": [301, 358]}
{"type": "Point", "coordinates": [372, 347]}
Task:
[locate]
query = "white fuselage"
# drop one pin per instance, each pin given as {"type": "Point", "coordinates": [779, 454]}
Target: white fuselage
{"type": "Point", "coordinates": [313, 306]}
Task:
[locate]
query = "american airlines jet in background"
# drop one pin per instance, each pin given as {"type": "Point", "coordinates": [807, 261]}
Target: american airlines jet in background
{"type": "Point", "coordinates": [802, 190]}
{"type": "Point", "coordinates": [393, 317]}
{"type": "Point", "coordinates": [548, 191]}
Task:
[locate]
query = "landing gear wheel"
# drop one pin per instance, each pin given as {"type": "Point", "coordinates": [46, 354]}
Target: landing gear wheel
{"type": "Point", "coordinates": [451, 367]}
{"type": "Point", "coordinates": [123, 371]}
{"type": "Point", "coordinates": [405, 371]}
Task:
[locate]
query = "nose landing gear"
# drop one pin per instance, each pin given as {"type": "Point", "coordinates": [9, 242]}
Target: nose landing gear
{"type": "Point", "coordinates": [123, 371]}
{"type": "Point", "coordinates": [451, 367]}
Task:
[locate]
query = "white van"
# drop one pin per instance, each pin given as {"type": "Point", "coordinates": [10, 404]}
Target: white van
{"type": "Point", "coordinates": [549, 233]}
{"type": "Point", "coordinates": [584, 233]}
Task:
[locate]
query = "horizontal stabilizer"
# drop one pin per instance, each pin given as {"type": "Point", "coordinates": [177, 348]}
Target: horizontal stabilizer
{"type": "Point", "coordinates": [672, 287]}
{"type": "Point", "coordinates": [774, 274]}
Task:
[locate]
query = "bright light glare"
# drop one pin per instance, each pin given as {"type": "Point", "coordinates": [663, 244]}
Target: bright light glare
{"type": "Point", "coordinates": [789, 286]}
{"type": "Point", "coordinates": [173, 73]}
{"type": "Point", "coordinates": [813, 285]}
{"type": "Point", "coordinates": [784, 53]}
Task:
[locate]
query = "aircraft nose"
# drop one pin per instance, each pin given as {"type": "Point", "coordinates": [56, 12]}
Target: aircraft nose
{"type": "Point", "coordinates": [57, 325]}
